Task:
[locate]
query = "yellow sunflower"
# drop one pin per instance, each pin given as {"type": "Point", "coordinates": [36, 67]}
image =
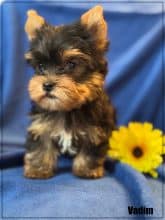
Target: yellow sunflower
{"type": "Point", "coordinates": [138, 145]}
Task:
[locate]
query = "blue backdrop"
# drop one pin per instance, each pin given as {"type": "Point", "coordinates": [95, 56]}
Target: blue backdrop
{"type": "Point", "coordinates": [134, 81]}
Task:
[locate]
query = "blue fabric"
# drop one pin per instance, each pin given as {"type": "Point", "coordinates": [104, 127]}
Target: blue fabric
{"type": "Point", "coordinates": [69, 196]}
{"type": "Point", "coordinates": [134, 81]}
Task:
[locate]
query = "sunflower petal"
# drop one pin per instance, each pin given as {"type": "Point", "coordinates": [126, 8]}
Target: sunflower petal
{"type": "Point", "coordinates": [153, 173]}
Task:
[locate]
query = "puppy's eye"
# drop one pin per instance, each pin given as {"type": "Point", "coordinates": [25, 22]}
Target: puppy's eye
{"type": "Point", "coordinates": [41, 68]}
{"type": "Point", "coordinates": [71, 64]}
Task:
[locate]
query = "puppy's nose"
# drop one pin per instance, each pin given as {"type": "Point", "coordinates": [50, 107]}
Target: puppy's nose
{"type": "Point", "coordinates": [48, 86]}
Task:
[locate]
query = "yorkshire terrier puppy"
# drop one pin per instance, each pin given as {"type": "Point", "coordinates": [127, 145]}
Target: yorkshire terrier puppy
{"type": "Point", "coordinates": [71, 113]}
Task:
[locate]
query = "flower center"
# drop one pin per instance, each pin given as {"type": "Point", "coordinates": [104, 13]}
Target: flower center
{"type": "Point", "coordinates": [137, 151]}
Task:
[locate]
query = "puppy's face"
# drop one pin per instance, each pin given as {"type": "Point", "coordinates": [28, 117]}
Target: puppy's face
{"type": "Point", "coordinates": [68, 60]}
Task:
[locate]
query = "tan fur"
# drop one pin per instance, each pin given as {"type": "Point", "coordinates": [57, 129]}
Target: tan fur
{"type": "Point", "coordinates": [55, 130]}
{"type": "Point", "coordinates": [52, 128]}
{"type": "Point", "coordinates": [82, 168]}
{"type": "Point", "coordinates": [40, 164]}
{"type": "Point", "coordinates": [34, 22]}
{"type": "Point", "coordinates": [94, 21]}
{"type": "Point", "coordinates": [95, 133]}
{"type": "Point", "coordinates": [71, 52]}
{"type": "Point", "coordinates": [28, 56]}
{"type": "Point", "coordinates": [71, 113]}
{"type": "Point", "coordinates": [38, 128]}
{"type": "Point", "coordinates": [35, 88]}
{"type": "Point", "coordinates": [75, 52]}
{"type": "Point", "coordinates": [68, 93]}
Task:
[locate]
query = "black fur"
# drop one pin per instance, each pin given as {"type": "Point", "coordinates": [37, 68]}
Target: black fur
{"type": "Point", "coordinates": [96, 118]}
{"type": "Point", "coordinates": [49, 43]}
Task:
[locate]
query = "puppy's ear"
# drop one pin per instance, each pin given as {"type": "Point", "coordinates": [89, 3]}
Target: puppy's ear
{"type": "Point", "coordinates": [33, 23]}
{"type": "Point", "coordinates": [95, 23]}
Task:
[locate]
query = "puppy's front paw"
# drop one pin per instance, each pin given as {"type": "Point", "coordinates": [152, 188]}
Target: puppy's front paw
{"type": "Point", "coordinates": [90, 173]}
{"type": "Point", "coordinates": [95, 173]}
{"type": "Point", "coordinates": [81, 168]}
{"type": "Point", "coordinates": [38, 173]}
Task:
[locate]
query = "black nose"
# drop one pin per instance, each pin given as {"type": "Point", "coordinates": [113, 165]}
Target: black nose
{"type": "Point", "coordinates": [48, 86]}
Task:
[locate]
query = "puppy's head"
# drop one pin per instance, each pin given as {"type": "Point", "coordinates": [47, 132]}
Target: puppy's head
{"type": "Point", "coordinates": [68, 60]}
